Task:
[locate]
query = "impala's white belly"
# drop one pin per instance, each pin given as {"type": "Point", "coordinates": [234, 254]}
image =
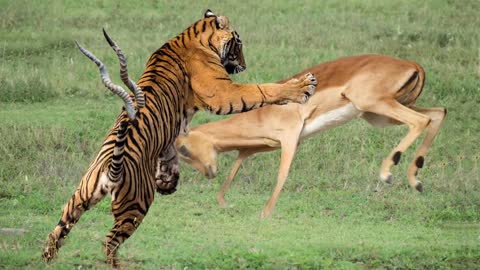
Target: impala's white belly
{"type": "Point", "coordinates": [330, 119]}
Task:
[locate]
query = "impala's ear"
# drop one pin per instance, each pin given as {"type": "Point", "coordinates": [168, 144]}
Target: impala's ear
{"type": "Point", "coordinates": [183, 150]}
{"type": "Point", "coordinates": [208, 14]}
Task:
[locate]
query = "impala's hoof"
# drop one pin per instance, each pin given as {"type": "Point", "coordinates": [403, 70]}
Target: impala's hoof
{"type": "Point", "coordinates": [419, 187]}
{"type": "Point", "coordinates": [387, 178]}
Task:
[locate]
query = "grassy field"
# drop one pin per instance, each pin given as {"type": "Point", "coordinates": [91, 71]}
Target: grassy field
{"type": "Point", "coordinates": [333, 213]}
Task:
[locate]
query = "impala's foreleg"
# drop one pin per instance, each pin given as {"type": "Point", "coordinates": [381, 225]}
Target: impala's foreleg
{"type": "Point", "coordinates": [242, 155]}
{"type": "Point", "coordinates": [289, 146]}
{"type": "Point", "coordinates": [437, 115]}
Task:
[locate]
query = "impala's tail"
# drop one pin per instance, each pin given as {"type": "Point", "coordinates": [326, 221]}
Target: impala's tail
{"type": "Point", "coordinates": [412, 88]}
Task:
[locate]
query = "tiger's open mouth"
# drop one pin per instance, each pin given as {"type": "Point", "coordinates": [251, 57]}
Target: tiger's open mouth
{"type": "Point", "coordinates": [232, 55]}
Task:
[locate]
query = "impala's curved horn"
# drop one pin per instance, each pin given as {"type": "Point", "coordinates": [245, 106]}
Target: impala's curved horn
{"type": "Point", "coordinates": [118, 90]}
{"type": "Point", "coordinates": [137, 91]}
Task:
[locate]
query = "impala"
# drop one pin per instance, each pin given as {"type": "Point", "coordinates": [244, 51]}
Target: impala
{"type": "Point", "coordinates": [380, 89]}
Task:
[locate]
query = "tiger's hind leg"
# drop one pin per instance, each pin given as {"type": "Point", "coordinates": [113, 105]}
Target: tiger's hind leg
{"type": "Point", "coordinates": [82, 200]}
{"type": "Point", "coordinates": [128, 208]}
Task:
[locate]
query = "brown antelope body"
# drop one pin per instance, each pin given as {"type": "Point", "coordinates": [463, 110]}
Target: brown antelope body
{"type": "Point", "coordinates": [380, 89]}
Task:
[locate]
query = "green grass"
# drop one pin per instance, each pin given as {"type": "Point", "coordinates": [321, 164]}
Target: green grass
{"type": "Point", "coordinates": [333, 213]}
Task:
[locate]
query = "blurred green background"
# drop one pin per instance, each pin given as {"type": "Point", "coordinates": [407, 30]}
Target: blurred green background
{"type": "Point", "coordinates": [333, 213]}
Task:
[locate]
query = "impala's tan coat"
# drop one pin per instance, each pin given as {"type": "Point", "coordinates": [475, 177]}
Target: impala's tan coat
{"type": "Point", "coordinates": [380, 89]}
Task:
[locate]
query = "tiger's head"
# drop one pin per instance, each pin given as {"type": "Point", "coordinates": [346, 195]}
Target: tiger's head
{"type": "Point", "coordinates": [226, 42]}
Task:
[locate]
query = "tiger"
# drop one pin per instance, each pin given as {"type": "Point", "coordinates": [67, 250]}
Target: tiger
{"type": "Point", "coordinates": [190, 72]}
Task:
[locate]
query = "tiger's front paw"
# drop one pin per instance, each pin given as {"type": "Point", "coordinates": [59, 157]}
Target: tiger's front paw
{"type": "Point", "coordinates": [51, 248]}
{"type": "Point", "coordinates": [167, 178]}
{"type": "Point", "coordinates": [168, 173]}
{"type": "Point", "coordinates": [305, 88]}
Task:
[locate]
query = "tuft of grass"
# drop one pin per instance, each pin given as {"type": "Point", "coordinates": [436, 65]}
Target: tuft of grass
{"type": "Point", "coordinates": [27, 89]}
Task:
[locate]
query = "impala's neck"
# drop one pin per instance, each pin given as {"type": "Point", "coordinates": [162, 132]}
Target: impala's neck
{"type": "Point", "coordinates": [220, 136]}
{"type": "Point", "coordinates": [225, 145]}
{"type": "Point", "coordinates": [238, 132]}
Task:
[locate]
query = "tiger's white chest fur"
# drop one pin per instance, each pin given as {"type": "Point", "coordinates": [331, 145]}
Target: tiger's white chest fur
{"type": "Point", "coordinates": [330, 119]}
{"type": "Point", "coordinates": [106, 186]}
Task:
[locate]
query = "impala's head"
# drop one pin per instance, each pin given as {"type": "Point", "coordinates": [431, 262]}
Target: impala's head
{"type": "Point", "coordinates": [196, 149]}
{"type": "Point", "coordinates": [223, 40]}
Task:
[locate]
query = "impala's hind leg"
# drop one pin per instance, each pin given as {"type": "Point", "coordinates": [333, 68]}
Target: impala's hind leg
{"type": "Point", "coordinates": [82, 200]}
{"type": "Point", "coordinates": [242, 155]}
{"type": "Point", "coordinates": [416, 122]}
{"type": "Point", "coordinates": [128, 208]}
{"type": "Point", "coordinates": [437, 115]}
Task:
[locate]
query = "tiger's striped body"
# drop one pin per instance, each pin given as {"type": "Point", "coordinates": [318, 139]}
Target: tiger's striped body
{"type": "Point", "coordinates": [186, 74]}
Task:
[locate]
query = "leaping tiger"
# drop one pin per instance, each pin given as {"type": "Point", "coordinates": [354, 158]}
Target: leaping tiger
{"type": "Point", "coordinates": [188, 73]}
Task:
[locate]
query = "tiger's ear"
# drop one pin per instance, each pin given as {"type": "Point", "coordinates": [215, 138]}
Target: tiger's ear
{"type": "Point", "coordinates": [208, 14]}
{"type": "Point", "coordinates": [222, 22]}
